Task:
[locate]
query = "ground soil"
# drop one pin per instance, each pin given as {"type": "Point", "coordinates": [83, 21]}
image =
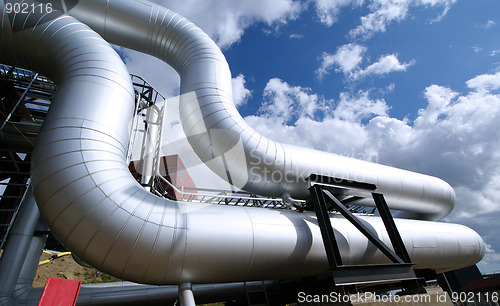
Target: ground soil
{"type": "Point", "coordinates": [66, 267]}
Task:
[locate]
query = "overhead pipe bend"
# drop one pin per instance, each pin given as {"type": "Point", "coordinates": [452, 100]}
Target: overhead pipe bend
{"type": "Point", "coordinates": [98, 211]}
{"type": "Point", "coordinates": [218, 133]}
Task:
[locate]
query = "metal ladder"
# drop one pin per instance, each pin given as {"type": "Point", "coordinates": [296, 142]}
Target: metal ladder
{"type": "Point", "coordinates": [9, 208]}
{"type": "Point", "coordinates": [24, 98]}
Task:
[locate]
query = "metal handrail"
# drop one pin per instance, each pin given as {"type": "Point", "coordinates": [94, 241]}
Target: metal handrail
{"type": "Point", "coordinates": [219, 196]}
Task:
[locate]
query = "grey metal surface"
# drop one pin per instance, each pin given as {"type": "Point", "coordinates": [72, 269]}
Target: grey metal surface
{"type": "Point", "coordinates": [98, 211]}
{"type": "Point", "coordinates": [218, 133]}
{"type": "Point", "coordinates": [186, 295]}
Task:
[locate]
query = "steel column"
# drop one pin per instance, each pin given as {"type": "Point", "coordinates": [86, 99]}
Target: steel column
{"type": "Point", "coordinates": [186, 295]}
{"type": "Point", "coordinates": [18, 245]}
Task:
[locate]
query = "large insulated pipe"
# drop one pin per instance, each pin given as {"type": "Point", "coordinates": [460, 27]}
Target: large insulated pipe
{"type": "Point", "coordinates": [98, 211]}
{"type": "Point", "coordinates": [218, 133]}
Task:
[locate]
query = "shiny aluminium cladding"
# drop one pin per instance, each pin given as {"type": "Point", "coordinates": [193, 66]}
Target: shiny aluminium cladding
{"type": "Point", "coordinates": [97, 210]}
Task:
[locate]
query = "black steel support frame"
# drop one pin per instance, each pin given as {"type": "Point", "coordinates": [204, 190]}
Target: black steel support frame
{"type": "Point", "coordinates": [390, 225]}
{"type": "Point", "coordinates": [399, 270]}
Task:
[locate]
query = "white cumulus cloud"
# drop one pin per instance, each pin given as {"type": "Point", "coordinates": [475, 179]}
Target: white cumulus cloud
{"type": "Point", "coordinates": [386, 64]}
{"type": "Point", "coordinates": [385, 12]}
{"type": "Point", "coordinates": [240, 93]}
{"type": "Point", "coordinates": [226, 21]}
{"type": "Point", "coordinates": [328, 10]}
{"type": "Point", "coordinates": [357, 107]}
{"type": "Point", "coordinates": [284, 102]}
{"type": "Point", "coordinates": [485, 82]}
{"type": "Point", "coordinates": [347, 59]}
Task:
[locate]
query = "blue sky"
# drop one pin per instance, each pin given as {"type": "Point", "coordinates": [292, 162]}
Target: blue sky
{"type": "Point", "coordinates": [415, 83]}
{"type": "Point", "coordinates": [446, 52]}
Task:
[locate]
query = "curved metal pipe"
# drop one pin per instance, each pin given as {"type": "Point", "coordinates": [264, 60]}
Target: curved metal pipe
{"type": "Point", "coordinates": [218, 133]}
{"type": "Point", "coordinates": [98, 211]}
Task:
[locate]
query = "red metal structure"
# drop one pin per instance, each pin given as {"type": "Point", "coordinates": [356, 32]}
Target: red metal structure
{"type": "Point", "coordinates": [173, 170]}
{"type": "Point", "coordinates": [60, 292]}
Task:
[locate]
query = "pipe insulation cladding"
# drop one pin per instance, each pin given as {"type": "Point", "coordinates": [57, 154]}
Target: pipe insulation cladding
{"type": "Point", "coordinates": [95, 207]}
{"type": "Point", "coordinates": [220, 136]}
